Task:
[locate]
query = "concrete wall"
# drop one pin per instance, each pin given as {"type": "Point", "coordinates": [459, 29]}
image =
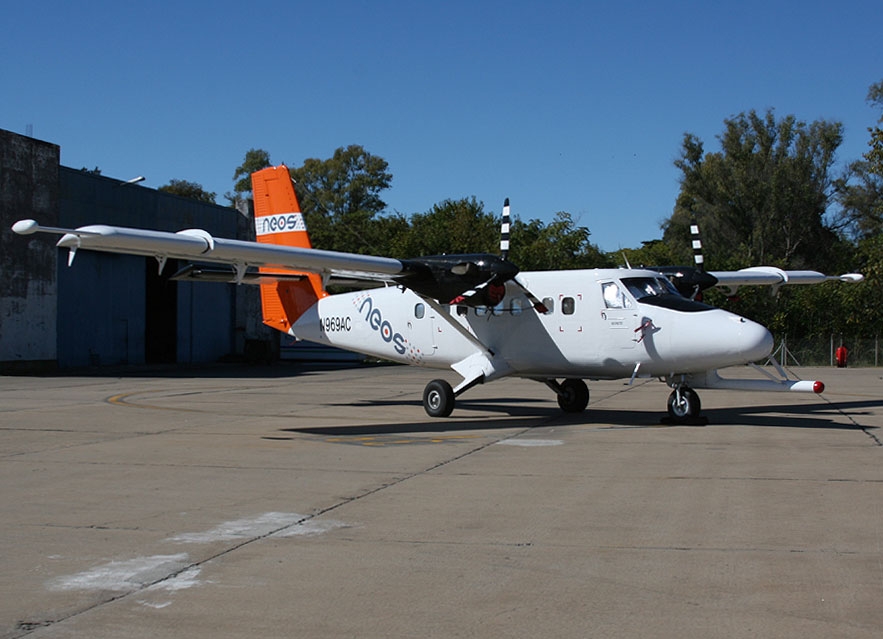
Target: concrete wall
{"type": "Point", "coordinates": [28, 285]}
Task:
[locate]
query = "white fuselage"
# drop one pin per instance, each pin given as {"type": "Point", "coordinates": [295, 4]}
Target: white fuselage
{"type": "Point", "coordinates": [596, 328]}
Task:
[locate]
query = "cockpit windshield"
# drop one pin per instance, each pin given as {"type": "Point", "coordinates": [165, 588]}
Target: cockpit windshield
{"type": "Point", "coordinates": [642, 287]}
{"type": "Point", "coordinates": [658, 291]}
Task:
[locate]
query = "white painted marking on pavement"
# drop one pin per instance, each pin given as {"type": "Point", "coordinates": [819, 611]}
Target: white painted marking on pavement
{"type": "Point", "coordinates": [258, 527]}
{"type": "Point", "coordinates": [531, 442]}
{"type": "Point", "coordinates": [122, 575]}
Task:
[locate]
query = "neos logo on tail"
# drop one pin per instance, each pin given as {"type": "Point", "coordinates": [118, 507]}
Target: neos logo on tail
{"type": "Point", "coordinates": [279, 223]}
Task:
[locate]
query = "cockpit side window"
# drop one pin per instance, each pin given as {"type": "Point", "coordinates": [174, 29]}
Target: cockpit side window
{"type": "Point", "coordinates": [614, 296]}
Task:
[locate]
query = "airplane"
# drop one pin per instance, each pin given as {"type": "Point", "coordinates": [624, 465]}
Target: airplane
{"type": "Point", "coordinates": [475, 314]}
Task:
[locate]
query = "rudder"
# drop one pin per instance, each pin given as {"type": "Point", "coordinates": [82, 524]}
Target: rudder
{"type": "Point", "coordinates": [278, 220]}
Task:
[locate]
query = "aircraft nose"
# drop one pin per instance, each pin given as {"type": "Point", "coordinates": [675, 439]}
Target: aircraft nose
{"type": "Point", "coordinates": [757, 341]}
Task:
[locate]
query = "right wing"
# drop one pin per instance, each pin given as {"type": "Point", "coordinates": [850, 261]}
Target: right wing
{"type": "Point", "coordinates": [771, 276]}
{"type": "Point", "coordinates": [690, 281]}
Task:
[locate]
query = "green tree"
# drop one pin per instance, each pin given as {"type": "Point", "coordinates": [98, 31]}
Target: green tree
{"type": "Point", "coordinates": [340, 198]}
{"type": "Point", "coordinates": [255, 160]}
{"type": "Point", "coordinates": [451, 226]}
{"type": "Point", "coordinates": [191, 190]}
{"type": "Point", "coordinates": [762, 199]}
{"type": "Point", "coordinates": [561, 244]}
{"type": "Point", "coordinates": [874, 155]}
{"type": "Point", "coordinates": [652, 253]}
{"type": "Point", "coordinates": [861, 189]}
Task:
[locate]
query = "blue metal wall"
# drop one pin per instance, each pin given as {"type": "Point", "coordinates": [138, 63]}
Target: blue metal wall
{"type": "Point", "coordinates": [102, 299]}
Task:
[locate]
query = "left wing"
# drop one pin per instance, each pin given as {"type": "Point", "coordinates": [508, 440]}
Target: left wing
{"type": "Point", "coordinates": [201, 246]}
{"type": "Point", "coordinates": [440, 277]}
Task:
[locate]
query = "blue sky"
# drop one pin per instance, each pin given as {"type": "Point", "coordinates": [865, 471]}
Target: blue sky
{"type": "Point", "coordinates": [560, 106]}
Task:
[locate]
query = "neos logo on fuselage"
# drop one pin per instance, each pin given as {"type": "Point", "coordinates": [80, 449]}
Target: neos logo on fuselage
{"type": "Point", "coordinates": [374, 316]}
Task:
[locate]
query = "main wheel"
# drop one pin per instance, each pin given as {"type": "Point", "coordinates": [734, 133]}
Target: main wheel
{"type": "Point", "coordinates": [574, 396]}
{"type": "Point", "coordinates": [438, 398]}
{"type": "Point", "coordinates": [684, 404]}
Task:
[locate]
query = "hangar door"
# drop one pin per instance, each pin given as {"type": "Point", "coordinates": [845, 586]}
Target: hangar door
{"type": "Point", "coordinates": [161, 314]}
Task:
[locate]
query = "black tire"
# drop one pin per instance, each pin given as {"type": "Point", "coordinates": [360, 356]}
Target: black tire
{"type": "Point", "coordinates": [686, 407]}
{"type": "Point", "coordinates": [438, 398]}
{"type": "Point", "coordinates": [574, 396]}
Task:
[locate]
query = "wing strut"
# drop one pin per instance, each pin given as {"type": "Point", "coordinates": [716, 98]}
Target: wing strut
{"type": "Point", "coordinates": [446, 317]}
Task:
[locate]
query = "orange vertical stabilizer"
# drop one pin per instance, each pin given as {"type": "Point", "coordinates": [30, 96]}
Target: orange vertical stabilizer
{"type": "Point", "coordinates": [278, 220]}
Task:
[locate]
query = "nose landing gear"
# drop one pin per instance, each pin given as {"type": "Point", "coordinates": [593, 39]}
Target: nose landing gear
{"type": "Point", "coordinates": [684, 407]}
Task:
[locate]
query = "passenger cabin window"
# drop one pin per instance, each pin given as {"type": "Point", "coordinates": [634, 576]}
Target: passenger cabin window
{"type": "Point", "coordinates": [614, 297]}
{"type": "Point", "coordinates": [462, 310]}
{"type": "Point", "coordinates": [549, 303]}
{"type": "Point", "coordinates": [419, 311]}
{"type": "Point", "coordinates": [568, 305]}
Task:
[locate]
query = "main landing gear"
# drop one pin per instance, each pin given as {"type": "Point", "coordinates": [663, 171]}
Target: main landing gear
{"type": "Point", "coordinates": [573, 394]}
{"type": "Point", "coordinates": [438, 398]}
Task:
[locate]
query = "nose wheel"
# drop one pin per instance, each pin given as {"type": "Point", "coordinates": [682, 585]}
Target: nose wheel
{"type": "Point", "coordinates": [684, 405]}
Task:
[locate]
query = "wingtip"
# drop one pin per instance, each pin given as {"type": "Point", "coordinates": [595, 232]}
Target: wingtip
{"type": "Point", "coordinates": [26, 227]}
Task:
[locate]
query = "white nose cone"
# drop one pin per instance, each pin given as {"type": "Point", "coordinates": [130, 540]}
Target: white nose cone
{"type": "Point", "coordinates": [716, 339]}
{"type": "Point", "coordinates": [757, 341]}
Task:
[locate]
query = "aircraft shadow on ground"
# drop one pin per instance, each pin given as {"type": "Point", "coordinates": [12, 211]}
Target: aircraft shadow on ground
{"type": "Point", "coordinates": [820, 415]}
{"type": "Point", "coordinates": [509, 413]}
{"type": "Point", "coordinates": [527, 413]}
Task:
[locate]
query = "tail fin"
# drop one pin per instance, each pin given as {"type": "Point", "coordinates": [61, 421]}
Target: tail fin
{"type": "Point", "coordinates": [278, 220]}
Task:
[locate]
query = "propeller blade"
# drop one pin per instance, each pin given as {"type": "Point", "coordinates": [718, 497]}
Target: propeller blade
{"type": "Point", "coordinates": [494, 293]}
{"type": "Point", "coordinates": [504, 231]}
{"type": "Point", "coordinates": [696, 239]}
{"type": "Point", "coordinates": [538, 306]}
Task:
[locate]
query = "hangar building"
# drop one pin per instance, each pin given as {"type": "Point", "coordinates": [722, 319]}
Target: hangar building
{"type": "Point", "coordinates": [109, 309]}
